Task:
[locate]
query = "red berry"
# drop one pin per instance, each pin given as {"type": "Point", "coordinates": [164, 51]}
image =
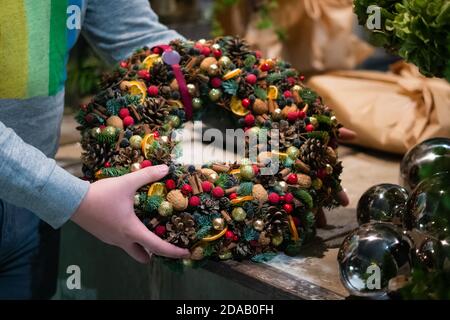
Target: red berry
{"type": "Point", "coordinates": [156, 134]}
{"type": "Point", "coordinates": [102, 127]}
{"type": "Point", "coordinates": [258, 54]}
{"type": "Point", "coordinates": [128, 121]}
{"type": "Point", "coordinates": [207, 186]}
{"type": "Point", "coordinates": [287, 94]}
{"type": "Point", "coordinates": [84, 107]}
{"type": "Point", "coordinates": [249, 120]}
{"type": "Point", "coordinates": [107, 165]}
{"type": "Point", "coordinates": [229, 234]}
{"type": "Point", "coordinates": [217, 53]}
{"type": "Point", "coordinates": [281, 199]}
{"type": "Point", "coordinates": [194, 201]}
{"type": "Point", "coordinates": [89, 118]}
{"type": "Point", "coordinates": [246, 103]}
{"type": "Point", "coordinates": [292, 116]}
{"type": "Point", "coordinates": [123, 113]}
{"type": "Point", "coordinates": [288, 197]}
{"type": "Point", "coordinates": [288, 207]}
{"type": "Point", "coordinates": [301, 114]}
{"type": "Point", "coordinates": [218, 192]}
{"type": "Point", "coordinates": [292, 178]}
{"type": "Point", "coordinates": [160, 230]}
{"type": "Point", "coordinates": [153, 91]}
{"type": "Point", "coordinates": [233, 196]}
{"type": "Point", "coordinates": [156, 50]}
{"type": "Point", "coordinates": [274, 198]}
{"type": "Point", "coordinates": [206, 51]}
{"type": "Point", "coordinates": [255, 169]}
{"type": "Point", "coordinates": [265, 67]}
{"type": "Point", "coordinates": [123, 64]}
{"type": "Point", "coordinates": [170, 184]}
{"type": "Point", "coordinates": [186, 189]}
{"type": "Point", "coordinates": [291, 81]}
{"type": "Point", "coordinates": [251, 78]}
{"type": "Point", "coordinates": [144, 74]}
{"type": "Point", "coordinates": [235, 238]}
{"type": "Point", "coordinates": [296, 221]}
{"type": "Point", "coordinates": [321, 173]}
{"type": "Point", "coordinates": [216, 82]}
{"type": "Point", "coordinates": [302, 78]}
{"type": "Point", "coordinates": [146, 163]}
{"type": "Point", "coordinates": [309, 127]}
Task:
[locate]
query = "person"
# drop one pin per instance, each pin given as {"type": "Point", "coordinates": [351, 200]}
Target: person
{"type": "Point", "coordinates": [36, 195]}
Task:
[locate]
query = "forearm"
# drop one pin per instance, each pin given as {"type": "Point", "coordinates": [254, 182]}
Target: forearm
{"type": "Point", "coordinates": [31, 180]}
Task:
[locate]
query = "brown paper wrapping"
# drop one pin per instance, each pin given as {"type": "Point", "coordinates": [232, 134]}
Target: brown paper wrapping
{"type": "Point", "coordinates": [389, 111]}
{"type": "Point", "coordinates": [319, 33]}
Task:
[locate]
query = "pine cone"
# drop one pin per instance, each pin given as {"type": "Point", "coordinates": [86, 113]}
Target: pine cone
{"type": "Point", "coordinates": [313, 153]}
{"type": "Point", "coordinates": [181, 229]}
{"type": "Point", "coordinates": [243, 250]}
{"type": "Point", "coordinates": [287, 133]}
{"type": "Point", "coordinates": [96, 154]}
{"type": "Point", "coordinates": [127, 156]}
{"type": "Point", "coordinates": [161, 74]}
{"type": "Point", "coordinates": [276, 220]}
{"type": "Point", "coordinates": [153, 112]}
{"type": "Point", "coordinates": [237, 47]}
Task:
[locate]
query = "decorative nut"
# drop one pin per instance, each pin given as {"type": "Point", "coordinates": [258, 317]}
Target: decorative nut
{"type": "Point", "coordinates": [207, 62]}
{"type": "Point", "coordinates": [331, 155]}
{"type": "Point", "coordinates": [260, 107]}
{"type": "Point", "coordinates": [304, 181]}
{"type": "Point", "coordinates": [178, 200]}
{"type": "Point", "coordinates": [301, 166]}
{"type": "Point", "coordinates": [115, 121]}
{"type": "Point", "coordinates": [210, 174]}
{"type": "Point", "coordinates": [259, 193]}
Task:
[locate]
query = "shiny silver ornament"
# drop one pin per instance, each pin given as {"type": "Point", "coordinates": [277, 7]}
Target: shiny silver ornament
{"type": "Point", "coordinates": [213, 70]}
{"type": "Point", "coordinates": [215, 94]}
{"type": "Point", "coordinates": [218, 224]}
{"type": "Point", "coordinates": [428, 207]}
{"type": "Point", "coordinates": [425, 159]}
{"type": "Point", "coordinates": [197, 103]}
{"type": "Point", "coordinates": [95, 132]}
{"type": "Point", "coordinates": [372, 255]}
{"type": "Point", "coordinates": [191, 89]}
{"type": "Point", "coordinates": [258, 225]}
{"type": "Point", "coordinates": [383, 202]}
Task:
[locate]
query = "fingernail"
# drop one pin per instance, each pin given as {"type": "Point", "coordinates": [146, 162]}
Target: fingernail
{"type": "Point", "coordinates": [162, 168]}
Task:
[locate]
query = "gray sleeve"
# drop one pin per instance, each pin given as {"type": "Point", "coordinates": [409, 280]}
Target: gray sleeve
{"type": "Point", "coordinates": [116, 28]}
{"type": "Point", "coordinates": [30, 180]}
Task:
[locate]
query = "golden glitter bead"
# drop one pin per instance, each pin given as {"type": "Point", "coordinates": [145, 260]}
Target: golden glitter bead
{"type": "Point", "coordinates": [196, 103]}
{"type": "Point", "coordinates": [277, 115]}
{"type": "Point", "coordinates": [191, 89]}
{"type": "Point", "coordinates": [225, 62]}
{"type": "Point", "coordinates": [317, 184]}
{"type": "Point", "coordinates": [165, 209]}
{"type": "Point", "coordinates": [334, 121]}
{"type": "Point", "coordinates": [246, 172]}
{"type": "Point", "coordinates": [135, 167]}
{"type": "Point", "coordinates": [218, 224]}
{"type": "Point", "coordinates": [313, 121]}
{"type": "Point", "coordinates": [328, 169]}
{"type": "Point", "coordinates": [296, 88]}
{"type": "Point", "coordinates": [239, 214]}
{"type": "Point", "coordinates": [293, 152]}
{"type": "Point", "coordinates": [213, 70]}
{"type": "Point", "coordinates": [95, 132]}
{"type": "Point", "coordinates": [258, 225]}
{"type": "Point", "coordinates": [277, 240]}
{"type": "Point", "coordinates": [135, 142]}
{"type": "Point", "coordinates": [215, 94]}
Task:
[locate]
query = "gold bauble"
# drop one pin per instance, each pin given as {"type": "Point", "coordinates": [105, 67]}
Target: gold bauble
{"type": "Point", "coordinates": [135, 142]}
{"type": "Point", "coordinates": [328, 169]}
{"type": "Point", "coordinates": [191, 89]}
{"type": "Point", "coordinates": [115, 121]}
{"type": "Point", "coordinates": [277, 240]}
{"type": "Point", "coordinates": [135, 167]}
{"type": "Point", "coordinates": [218, 224]}
{"type": "Point", "coordinates": [258, 225]}
{"type": "Point", "coordinates": [213, 70]}
{"type": "Point", "coordinates": [313, 121]}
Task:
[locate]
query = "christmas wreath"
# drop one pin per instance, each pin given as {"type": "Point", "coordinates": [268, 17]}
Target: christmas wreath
{"type": "Point", "coordinates": [219, 210]}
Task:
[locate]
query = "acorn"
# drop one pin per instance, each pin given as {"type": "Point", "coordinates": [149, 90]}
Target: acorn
{"type": "Point", "coordinates": [259, 193]}
{"type": "Point", "coordinates": [304, 181]}
{"type": "Point", "coordinates": [260, 107]}
{"type": "Point", "coordinates": [115, 121]}
{"type": "Point", "coordinates": [177, 199]}
{"type": "Point", "coordinates": [207, 63]}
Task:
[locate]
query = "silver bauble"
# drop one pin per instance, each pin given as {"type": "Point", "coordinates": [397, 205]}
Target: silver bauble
{"type": "Point", "coordinates": [383, 202]}
{"type": "Point", "coordinates": [370, 256]}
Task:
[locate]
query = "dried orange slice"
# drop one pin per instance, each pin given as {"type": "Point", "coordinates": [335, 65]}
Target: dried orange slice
{"type": "Point", "coordinates": [151, 60]}
{"type": "Point", "coordinates": [241, 199]}
{"type": "Point", "coordinates": [146, 142]}
{"type": "Point", "coordinates": [293, 228]}
{"type": "Point", "coordinates": [232, 74]}
{"type": "Point", "coordinates": [134, 88]}
{"type": "Point", "coordinates": [216, 236]}
{"type": "Point", "coordinates": [157, 189]}
{"type": "Point", "coordinates": [235, 171]}
{"type": "Point", "coordinates": [272, 93]}
{"type": "Point", "coordinates": [237, 108]}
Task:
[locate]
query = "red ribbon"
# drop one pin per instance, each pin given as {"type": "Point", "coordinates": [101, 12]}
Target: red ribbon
{"type": "Point", "coordinates": [185, 96]}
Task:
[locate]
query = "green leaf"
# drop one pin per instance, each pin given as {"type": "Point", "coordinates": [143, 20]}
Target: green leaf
{"type": "Point", "coordinates": [245, 188]}
{"type": "Point", "coordinates": [260, 93]}
{"type": "Point", "coordinates": [308, 96]}
{"type": "Point", "coordinates": [153, 203]}
{"type": "Point", "coordinates": [230, 87]}
{"type": "Point", "coordinates": [304, 197]}
{"type": "Point", "coordinates": [113, 107]}
{"type": "Point", "coordinates": [250, 234]}
{"type": "Point", "coordinates": [249, 61]}
{"type": "Point", "coordinates": [114, 172]}
{"type": "Point", "coordinates": [203, 232]}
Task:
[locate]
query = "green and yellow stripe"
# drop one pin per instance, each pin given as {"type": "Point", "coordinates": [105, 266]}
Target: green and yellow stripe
{"type": "Point", "coordinates": [34, 43]}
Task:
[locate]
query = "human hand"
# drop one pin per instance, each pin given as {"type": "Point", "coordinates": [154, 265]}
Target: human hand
{"type": "Point", "coordinates": [107, 212]}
